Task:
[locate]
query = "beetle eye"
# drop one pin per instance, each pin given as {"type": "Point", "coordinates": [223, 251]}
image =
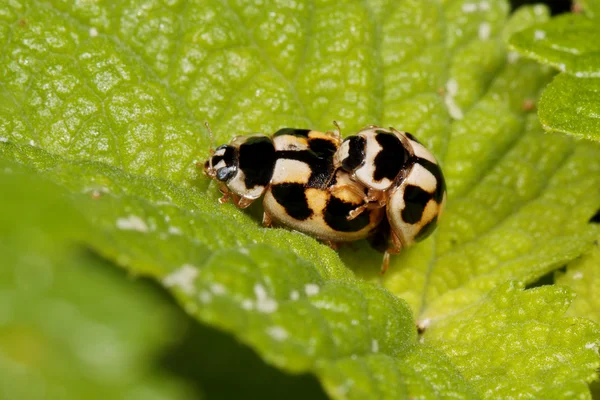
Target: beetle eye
{"type": "Point", "coordinates": [225, 173]}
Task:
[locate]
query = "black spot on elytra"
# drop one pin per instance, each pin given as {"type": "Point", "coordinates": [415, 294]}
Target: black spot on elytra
{"type": "Point", "coordinates": [323, 148]}
{"type": "Point", "coordinates": [415, 200]}
{"type": "Point", "coordinates": [391, 158]}
{"type": "Point", "coordinates": [292, 197]}
{"type": "Point", "coordinates": [257, 161]}
{"type": "Point", "coordinates": [292, 132]}
{"type": "Point", "coordinates": [595, 218]}
{"type": "Point", "coordinates": [321, 167]}
{"type": "Point", "coordinates": [356, 153]}
{"type": "Point", "coordinates": [426, 230]}
{"type": "Point", "coordinates": [436, 171]}
{"type": "Point", "coordinates": [411, 137]}
{"type": "Point", "coordinates": [336, 216]}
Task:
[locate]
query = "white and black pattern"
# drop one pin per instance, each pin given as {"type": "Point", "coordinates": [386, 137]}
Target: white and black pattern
{"type": "Point", "coordinates": [245, 166]}
{"type": "Point", "coordinates": [402, 176]}
{"type": "Point", "coordinates": [299, 197]}
{"type": "Point", "coordinates": [414, 205]}
{"type": "Point", "coordinates": [374, 156]}
{"type": "Point", "coordinates": [380, 184]}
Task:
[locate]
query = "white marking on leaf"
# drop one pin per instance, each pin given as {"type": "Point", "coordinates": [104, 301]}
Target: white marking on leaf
{"type": "Point", "coordinates": [484, 31]}
{"type": "Point", "coordinates": [3, 139]}
{"type": "Point", "coordinates": [173, 230]}
{"type": "Point", "coordinates": [539, 9]}
{"type": "Point", "coordinates": [132, 223]}
{"type": "Point", "coordinates": [311, 289]}
{"type": "Point", "coordinates": [469, 7]}
{"type": "Point", "coordinates": [294, 295]}
{"type": "Point", "coordinates": [93, 32]}
{"type": "Point", "coordinates": [259, 291]}
{"type": "Point", "coordinates": [183, 278]}
{"type": "Point", "coordinates": [205, 297]}
{"type": "Point", "coordinates": [247, 304]}
{"type": "Point", "coordinates": [539, 35]}
{"type": "Point", "coordinates": [578, 275]}
{"type": "Point", "coordinates": [264, 303]}
{"type": "Point", "coordinates": [452, 87]}
{"type": "Point", "coordinates": [451, 91]}
{"type": "Point", "coordinates": [424, 324]}
{"type": "Point", "coordinates": [217, 288]}
{"type": "Point", "coordinates": [374, 346]}
{"type": "Point", "coordinates": [513, 57]}
{"type": "Point", "coordinates": [278, 333]}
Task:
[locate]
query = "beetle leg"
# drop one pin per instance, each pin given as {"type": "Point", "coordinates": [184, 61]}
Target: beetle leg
{"type": "Point", "coordinates": [375, 199]}
{"type": "Point", "coordinates": [359, 210]}
{"type": "Point", "coordinates": [377, 196]}
{"type": "Point", "coordinates": [226, 194]}
{"type": "Point", "coordinates": [332, 244]}
{"type": "Point", "coordinates": [395, 249]}
{"type": "Point", "coordinates": [386, 263]}
{"type": "Point", "coordinates": [242, 202]}
{"type": "Point", "coordinates": [267, 220]}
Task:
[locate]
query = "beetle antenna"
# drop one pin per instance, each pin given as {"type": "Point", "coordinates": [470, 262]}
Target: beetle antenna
{"type": "Point", "coordinates": [337, 135]}
{"type": "Point", "coordinates": [338, 128]}
{"type": "Point", "coordinates": [210, 135]}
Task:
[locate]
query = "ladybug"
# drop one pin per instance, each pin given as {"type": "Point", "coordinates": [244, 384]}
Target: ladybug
{"type": "Point", "coordinates": [294, 169]}
{"type": "Point", "coordinates": [299, 195]}
{"type": "Point", "coordinates": [379, 184]}
{"type": "Point", "coordinates": [402, 176]}
{"type": "Point", "coordinates": [243, 167]}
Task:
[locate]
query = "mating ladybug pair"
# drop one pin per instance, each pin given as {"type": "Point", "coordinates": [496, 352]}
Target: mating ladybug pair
{"type": "Point", "coordinates": [379, 184]}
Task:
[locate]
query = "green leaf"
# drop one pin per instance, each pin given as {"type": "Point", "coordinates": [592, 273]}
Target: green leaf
{"type": "Point", "coordinates": [591, 8]}
{"type": "Point", "coordinates": [570, 43]}
{"type": "Point", "coordinates": [570, 105]}
{"type": "Point", "coordinates": [510, 188]}
{"type": "Point", "coordinates": [108, 102]}
{"type": "Point", "coordinates": [60, 336]}
{"type": "Point", "coordinates": [59, 296]}
{"type": "Point", "coordinates": [151, 225]}
{"type": "Point", "coordinates": [75, 91]}
{"type": "Point", "coordinates": [507, 226]}
{"type": "Point", "coordinates": [298, 314]}
{"type": "Point", "coordinates": [583, 277]}
{"type": "Point", "coordinates": [419, 372]}
{"type": "Point", "coordinates": [524, 334]}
